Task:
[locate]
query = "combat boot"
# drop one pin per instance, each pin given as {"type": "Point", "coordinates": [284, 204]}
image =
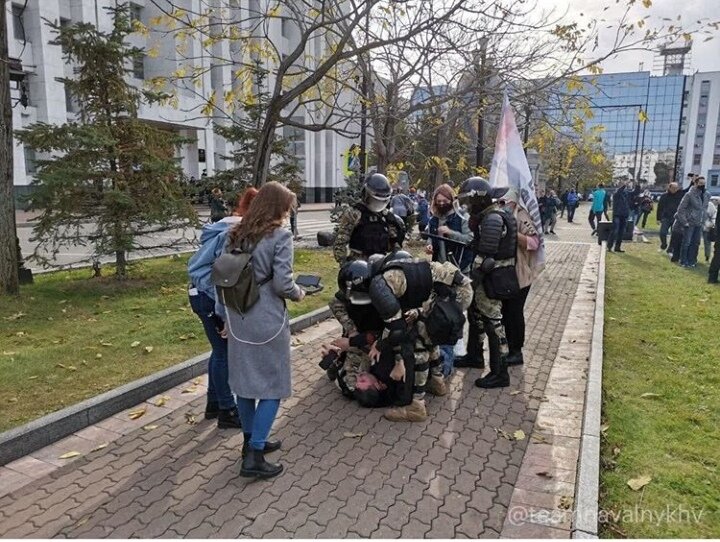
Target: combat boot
{"type": "Point", "coordinates": [414, 412]}
{"type": "Point", "coordinates": [436, 386]}
{"type": "Point", "coordinates": [498, 376]}
{"type": "Point", "coordinates": [254, 465]}
{"type": "Point", "coordinates": [515, 358]}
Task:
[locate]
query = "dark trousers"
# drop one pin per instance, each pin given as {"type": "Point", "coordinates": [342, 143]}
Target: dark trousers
{"type": "Point", "coordinates": [218, 388]}
{"type": "Point", "coordinates": [676, 239]}
{"type": "Point", "coordinates": [665, 225]}
{"type": "Point", "coordinates": [571, 212]}
{"type": "Point", "coordinates": [293, 224]}
{"type": "Point", "coordinates": [594, 216]}
{"type": "Point", "coordinates": [643, 217]}
{"type": "Point", "coordinates": [715, 264]}
{"type": "Point", "coordinates": [513, 318]}
{"type": "Point", "coordinates": [617, 232]}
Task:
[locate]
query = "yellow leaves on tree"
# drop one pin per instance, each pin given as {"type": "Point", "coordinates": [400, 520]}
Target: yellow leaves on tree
{"type": "Point", "coordinates": [209, 107]}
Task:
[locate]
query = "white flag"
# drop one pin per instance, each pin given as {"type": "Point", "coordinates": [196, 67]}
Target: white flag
{"type": "Point", "coordinates": [510, 168]}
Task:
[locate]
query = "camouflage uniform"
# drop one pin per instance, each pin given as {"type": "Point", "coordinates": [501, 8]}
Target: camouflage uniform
{"type": "Point", "coordinates": [349, 220]}
{"type": "Point", "coordinates": [356, 359]}
{"type": "Point", "coordinates": [489, 310]}
{"type": "Point", "coordinates": [427, 354]}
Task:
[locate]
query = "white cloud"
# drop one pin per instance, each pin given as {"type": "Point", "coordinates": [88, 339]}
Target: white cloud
{"type": "Point", "coordinates": [705, 55]}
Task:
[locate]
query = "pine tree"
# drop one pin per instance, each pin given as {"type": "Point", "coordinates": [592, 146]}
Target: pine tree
{"type": "Point", "coordinates": [244, 134]}
{"type": "Point", "coordinates": [108, 180]}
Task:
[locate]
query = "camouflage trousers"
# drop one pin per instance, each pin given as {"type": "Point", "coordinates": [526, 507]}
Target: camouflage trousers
{"type": "Point", "coordinates": [488, 312]}
{"type": "Point", "coordinates": [356, 361]}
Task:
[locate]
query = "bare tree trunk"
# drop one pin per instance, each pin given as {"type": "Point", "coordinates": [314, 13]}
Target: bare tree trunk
{"type": "Point", "coordinates": [263, 153]}
{"type": "Point", "coordinates": [8, 233]}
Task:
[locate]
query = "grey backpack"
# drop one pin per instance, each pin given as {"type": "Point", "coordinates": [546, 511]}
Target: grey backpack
{"type": "Point", "coordinates": [234, 278]}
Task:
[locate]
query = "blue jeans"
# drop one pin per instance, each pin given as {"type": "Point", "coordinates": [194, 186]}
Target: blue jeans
{"type": "Point", "coordinates": [665, 225]}
{"type": "Point", "coordinates": [257, 419]}
{"type": "Point", "coordinates": [690, 245]}
{"type": "Point", "coordinates": [448, 364]}
{"type": "Point", "coordinates": [617, 232]}
{"type": "Point", "coordinates": [218, 388]}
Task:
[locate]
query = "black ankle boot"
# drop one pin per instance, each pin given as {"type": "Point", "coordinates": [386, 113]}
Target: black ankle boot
{"type": "Point", "coordinates": [211, 410]}
{"type": "Point", "coordinates": [229, 419]}
{"type": "Point", "coordinates": [515, 358]}
{"type": "Point", "coordinates": [270, 445]}
{"type": "Point", "coordinates": [255, 466]}
{"type": "Point", "coordinates": [470, 361]}
{"type": "Point", "coordinates": [498, 377]}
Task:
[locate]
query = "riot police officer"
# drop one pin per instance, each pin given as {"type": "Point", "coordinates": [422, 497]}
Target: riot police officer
{"type": "Point", "coordinates": [361, 325]}
{"type": "Point", "coordinates": [494, 278]}
{"type": "Point", "coordinates": [369, 227]}
{"type": "Point", "coordinates": [402, 290]}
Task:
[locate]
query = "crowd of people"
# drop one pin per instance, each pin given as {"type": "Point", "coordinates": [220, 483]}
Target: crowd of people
{"type": "Point", "coordinates": [403, 318]}
{"type": "Point", "coordinates": [687, 218]}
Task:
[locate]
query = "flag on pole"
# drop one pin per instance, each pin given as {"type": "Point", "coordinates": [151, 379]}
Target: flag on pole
{"type": "Point", "coordinates": [510, 168]}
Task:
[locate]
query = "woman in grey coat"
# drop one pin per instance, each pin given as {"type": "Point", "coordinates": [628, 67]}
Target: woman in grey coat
{"type": "Point", "coordinates": [259, 340]}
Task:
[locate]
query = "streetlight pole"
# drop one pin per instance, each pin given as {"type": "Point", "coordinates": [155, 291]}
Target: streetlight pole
{"type": "Point", "coordinates": [9, 282]}
{"type": "Point", "coordinates": [480, 147]}
{"type": "Point", "coordinates": [363, 105]}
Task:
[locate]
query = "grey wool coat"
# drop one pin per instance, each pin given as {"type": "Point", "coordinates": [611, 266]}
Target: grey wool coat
{"type": "Point", "coordinates": [259, 340]}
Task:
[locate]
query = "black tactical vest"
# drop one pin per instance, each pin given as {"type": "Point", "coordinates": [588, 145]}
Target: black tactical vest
{"type": "Point", "coordinates": [365, 317]}
{"type": "Point", "coordinates": [508, 243]}
{"type": "Point", "coordinates": [372, 233]}
{"type": "Point", "coordinates": [418, 276]}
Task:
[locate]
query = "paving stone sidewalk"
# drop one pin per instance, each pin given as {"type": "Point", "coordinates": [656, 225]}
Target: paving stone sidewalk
{"type": "Point", "coordinates": [348, 472]}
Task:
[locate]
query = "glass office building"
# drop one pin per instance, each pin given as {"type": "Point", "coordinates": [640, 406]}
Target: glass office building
{"type": "Point", "coordinates": [640, 118]}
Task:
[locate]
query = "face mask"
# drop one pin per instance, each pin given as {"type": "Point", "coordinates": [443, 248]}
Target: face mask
{"type": "Point", "coordinates": [444, 208]}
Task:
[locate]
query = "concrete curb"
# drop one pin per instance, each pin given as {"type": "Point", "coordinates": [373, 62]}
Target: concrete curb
{"type": "Point", "coordinates": [39, 433]}
{"type": "Point", "coordinates": [588, 481]}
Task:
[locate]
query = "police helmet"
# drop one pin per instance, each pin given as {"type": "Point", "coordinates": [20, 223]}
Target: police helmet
{"type": "Point", "coordinates": [476, 192]}
{"type": "Point", "coordinates": [376, 192]}
{"type": "Point", "coordinates": [354, 281]}
{"type": "Point", "coordinates": [377, 262]}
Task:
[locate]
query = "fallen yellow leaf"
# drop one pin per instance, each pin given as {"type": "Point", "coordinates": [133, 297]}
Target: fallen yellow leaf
{"type": "Point", "coordinates": [135, 344]}
{"type": "Point", "coordinates": [148, 349]}
{"type": "Point", "coordinates": [519, 435]}
{"type": "Point", "coordinates": [150, 427]}
{"type": "Point", "coordinates": [161, 400]}
{"type": "Point", "coordinates": [636, 484]}
{"type": "Point", "coordinates": [100, 447]}
{"type": "Point", "coordinates": [190, 389]}
{"type": "Point", "coordinates": [135, 414]}
{"type": "Point", "coordinates": [69, 455]}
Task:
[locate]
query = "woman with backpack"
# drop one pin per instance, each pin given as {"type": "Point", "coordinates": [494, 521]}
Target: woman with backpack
{"type": "Point", "coordinates": [220, 400]}
{"type": "Point", "coordinates": [259, 338]}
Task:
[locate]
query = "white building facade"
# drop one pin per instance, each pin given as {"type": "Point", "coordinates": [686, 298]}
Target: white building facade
{"type": "Point", "coordinates": [322, 155]}
{"type": "Point", "coordinates": [700, 129]}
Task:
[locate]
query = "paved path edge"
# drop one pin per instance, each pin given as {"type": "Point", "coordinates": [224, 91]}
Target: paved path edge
{"type": "Point", "coordinates": [585, 523]}
{"type": "Point", "coordinates": [28, 438]}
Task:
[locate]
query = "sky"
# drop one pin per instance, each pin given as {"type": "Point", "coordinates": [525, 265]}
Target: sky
{"type": "Point", "coordinates": [705, 55]}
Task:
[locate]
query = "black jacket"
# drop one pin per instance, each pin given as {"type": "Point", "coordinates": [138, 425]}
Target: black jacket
{"type": "Point", "coordinates": [621, 202]}
{"type": "Point", "coordinates": [668, 205]}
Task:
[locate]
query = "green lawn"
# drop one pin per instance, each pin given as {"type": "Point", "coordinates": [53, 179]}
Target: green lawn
{"type": "Point", "coordinates": [661, 338]}
{"type": "Point", "coordinates": [68, 337]}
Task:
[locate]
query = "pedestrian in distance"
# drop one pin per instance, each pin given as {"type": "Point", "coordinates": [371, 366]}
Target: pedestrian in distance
{"type": "Point", "coordinates": [218, 207]}
{"type": "Point", "coordinates": [597, 207]}
{"type": "Point", "coordinates": [220, 400]}
{"type": "Point", "coordinates": [571, 202]}
{"type": "Point", "coordinates": [645, 207]}
{"type": "Point", "coordinates": [709, 231]}
{"type": "Point", "coordinates": [563, 203]}
{"type": "Point", "coordinates": [690, 218]}
{"type": "Point", "coordinates": [259, 339]}
{"type": "Point", "coordinates": [621, 213]}
{"type": "Point", "coordinates": [665, 215]}
{"type": "Point", "coordinates": [715, 263]}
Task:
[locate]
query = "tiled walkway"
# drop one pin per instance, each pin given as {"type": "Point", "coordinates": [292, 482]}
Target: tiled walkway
{"type": "Point", "coordinates": [348, 471]}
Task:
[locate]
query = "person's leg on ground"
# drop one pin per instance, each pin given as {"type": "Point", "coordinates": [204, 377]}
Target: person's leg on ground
{"type": "Point", "coordinates": [491, 312]}
{"type": "Point", "coordinates": [513, 319]}
{"type": "Point", "coordinates": [714, 265]}
{"type": "Point", "coordinates": [591, 219]}
{"type": "Point", "coordinates": [664, 227]}
{"type": "Point", "coordinates": [622, 225]}
{"type": "Point", "coordinates": [707, 245]}
{"type": "Point", "coordinates": [474, 357]}
{"type": "Point", "coordinates": [695, 245]}
{"type": "Point", "coordinates": [613, 233]}
{"type": "Point", "coordinates": [259, 418]}
{"type": "Point", "coordinates": [685, 246]}
{"type": "Point", "coordinates": [221, 402]}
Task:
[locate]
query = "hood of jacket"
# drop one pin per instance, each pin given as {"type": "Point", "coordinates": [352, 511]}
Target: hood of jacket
{"type": "Point", "coordinates": [212, 243]}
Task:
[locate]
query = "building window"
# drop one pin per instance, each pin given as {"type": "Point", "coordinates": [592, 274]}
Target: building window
{"type": "Point", "coordinates": [29, 160]}
{"type": "Point", "coordinates": [285, 27]}
{"type": "Point", "coordinates": [135, 12]}
{"type": "Point", "coordinates": [18, 22]}
{"type": "Point", "coordinates": [716, 159]}
{"type": "Point", "coordinates": [138, 68]}
{"type": "Point", "coordinates": [714, 179]}
{"type": "Point", "coordinates": [696, 159]}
